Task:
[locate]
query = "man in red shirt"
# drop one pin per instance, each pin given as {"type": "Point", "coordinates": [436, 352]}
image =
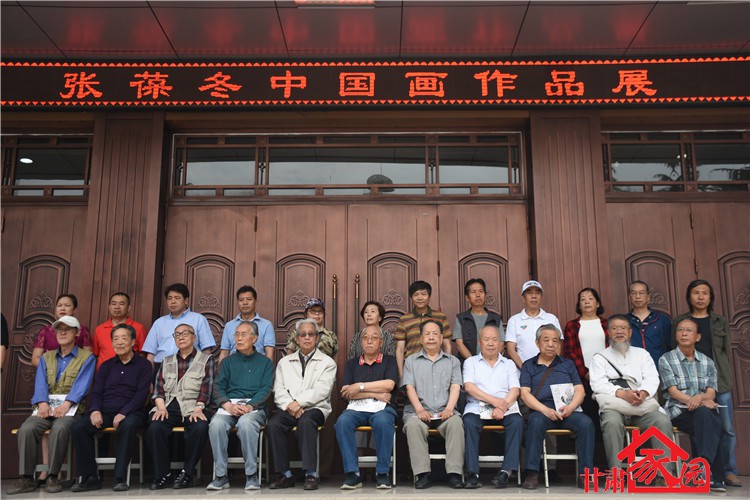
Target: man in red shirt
{"type": "Point", "coordinates": [119, 308]}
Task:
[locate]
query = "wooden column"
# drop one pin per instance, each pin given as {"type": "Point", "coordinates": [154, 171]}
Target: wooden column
{"type": "Point", "coordinates": [568, 219]}
{"type": "Point", "coordinates": [124, 221]}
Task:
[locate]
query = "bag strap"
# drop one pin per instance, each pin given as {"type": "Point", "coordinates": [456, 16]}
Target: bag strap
{"type": "Point", "coordinates": [541, 382]}
{"type": "Point", "coordinates": [610, 363]}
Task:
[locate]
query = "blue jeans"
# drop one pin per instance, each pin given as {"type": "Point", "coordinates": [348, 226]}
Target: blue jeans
{"type": "Point", "coordinates": [382, 423]}
{"type": "Point", "coordinates": [513, 433]}
{"type": "Point", "coordinates": [248, 430]}
{"type": "Point", "coordinates": [728, 438]}
{"type": "Point", "coordinates": [578, 422]}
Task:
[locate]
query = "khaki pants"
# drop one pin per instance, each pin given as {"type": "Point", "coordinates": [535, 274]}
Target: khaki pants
{"type": "Point", "coordinates": [452, 431]}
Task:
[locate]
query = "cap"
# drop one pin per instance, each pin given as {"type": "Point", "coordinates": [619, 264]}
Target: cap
{"type": "Point", "coordinates": [531, 284]}
{"type": "Point", "coordinates": [67, 320]}
{"type": "Point", "coordinates": [314, 301]}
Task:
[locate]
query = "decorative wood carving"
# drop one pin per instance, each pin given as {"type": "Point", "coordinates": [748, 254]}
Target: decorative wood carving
{"type": "Point", "coordinates": [734, 283]}
{"type": "Point", "coordinates": [493, 269]}
{"type": "Point", "coordinates": [298, 277]}
{"type": "Point", "coordinates": [389, 276]}
{"type": "Point", "coordinates": [658, 270]}
{"type": "Point", "coordinates": [40, 280]}
{"type": "Point", "coordinates": [210, 279]}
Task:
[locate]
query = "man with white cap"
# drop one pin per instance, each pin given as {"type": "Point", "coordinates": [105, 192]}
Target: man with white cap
{"type": "Point", "coordinates": [520, 336]}
{"type": "Point", "coordinates": [62, 382]}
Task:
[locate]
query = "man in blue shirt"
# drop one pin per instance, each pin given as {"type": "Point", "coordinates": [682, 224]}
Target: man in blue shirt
{"type": "Point", "coordinates": [66, 372]}
{"type": "Point", "coordinates": [159, 343]}
{"type": "Point", "coordinates": [247, 298]}
{"type": "Point", "coordinates": [652, 330]}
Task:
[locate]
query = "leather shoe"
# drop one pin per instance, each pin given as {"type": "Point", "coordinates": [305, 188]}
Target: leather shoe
{"type": "Point", "coordinates": [90, 483]}
{"type": "Point", "coordinates": [455, 481]}
{"type": "Point", "coordinates": [53, 485]}
{"type": "Point", "coordinates": [472, 482]}
{"type": "Point", "coordinates": [532, 481]}
{"type": "Point", "coordinates": [311, 482]}
{"type": "Point", "coordinates": [24, 485]}
{"type": "Point", "coordinates": [423, 481]}
{"type": "Point", "coordinates": [184, 480]}
{"type": "Point", "coordinates": [282, 482]}
{"type": "Point", "coordinates": [501, 479]}
{"type": "Point", "coordinates": [121, 486]}
{"type": "Point", "coordinates": [162, 482]}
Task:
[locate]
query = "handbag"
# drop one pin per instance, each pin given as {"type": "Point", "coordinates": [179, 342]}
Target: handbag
{"type": "Point", "coordinates": [620, 381]}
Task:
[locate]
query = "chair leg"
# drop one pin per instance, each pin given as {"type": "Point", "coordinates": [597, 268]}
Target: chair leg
{"type": "Point", "coordinates": [544, 456]}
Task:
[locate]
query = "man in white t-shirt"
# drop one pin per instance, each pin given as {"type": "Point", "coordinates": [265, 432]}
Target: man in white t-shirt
{"type": "Point", "coordinates": [521, 331]}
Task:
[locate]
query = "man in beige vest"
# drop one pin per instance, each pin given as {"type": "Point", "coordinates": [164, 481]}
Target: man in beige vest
{"type": "Point", "coordinates": [182, 391]}
{"type": "Point", "coordinates": [63, 379]}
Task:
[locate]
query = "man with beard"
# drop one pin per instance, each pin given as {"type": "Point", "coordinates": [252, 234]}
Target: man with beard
{"type": "Point", "coordinates": [633, 405]}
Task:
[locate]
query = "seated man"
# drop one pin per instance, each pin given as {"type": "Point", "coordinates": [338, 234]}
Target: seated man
{"type": "Point", "coordinates": [302, 391]}
{"type": "Point", "coordinates": [241, 391]}
{"type": "Point", "coordinates": [538, 375]}
{"type": "Point", "coordinates": [491, 384]}
{"type": "Point", "coordinates": [621, 406]}
{"type": "Point", "coordinates": [182, 391]}
{"type": "Point", "coordinates": [66, 371]}
{"type": "Point", "coordinates": [432, 379]}
{"type": "Point", "coordinates": [118, 400]}
{"type": "Point", "coordinates": [370, 385]}
{"type": "Point", "coordinates": [690, 382]}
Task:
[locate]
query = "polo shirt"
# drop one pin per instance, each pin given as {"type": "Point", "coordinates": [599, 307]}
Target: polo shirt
{"type": "Point", "coordinates": [408, 329]}
{"type": "Point", "coordinates": [80, 386]}
{"type": "Point", "coordinates": [431, 379]}
{"type": "Point", "coordinates": [495, 380]}
{"type": "Point", "coordinates": [384, 368]}
{"type": "Point", "coordinates": [266, 334]}
{"type": "Point", "coordinates": [690, 377]}
{"type": "Point", "coordinates": [102, 347]}
{"type": "Point", "coordinates": [121, 388]}
{"type": "Point", "coordinates": [522, 330]}
{"type": "Point", "coordinates": [242, 376]}
{"type": "Point", "coordinates": [563, 372]}
{"type": "Point", "coordinates": [160, 342]}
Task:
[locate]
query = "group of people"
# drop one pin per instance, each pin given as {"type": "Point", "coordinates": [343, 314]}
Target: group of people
{"type": "Point", "coordinates": [594, 377]}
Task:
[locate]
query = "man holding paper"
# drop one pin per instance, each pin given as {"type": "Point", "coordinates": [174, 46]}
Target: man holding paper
{"type": "Point", "coordinates": [240, 391]}
{"type": "Point", "coordinates": [491, 383]}
{"type": "Point", "coordinates": [370, 385]}
{"type": "Point", "coordinates": [63, 376]}
{"type": "Point", "coordinates": [432, 379]}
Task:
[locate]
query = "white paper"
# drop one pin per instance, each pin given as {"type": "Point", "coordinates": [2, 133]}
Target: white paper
{"type": "Point", "coordinates": [369, 405]}
{"type": "Point", "coordinates": [235, 401]}
{"type": "Point", "coordinates": [56, 400]}
{"type": "Point", "coordinates": [563, 395]}
{"type": "Point", "coordinates": [486, 409]}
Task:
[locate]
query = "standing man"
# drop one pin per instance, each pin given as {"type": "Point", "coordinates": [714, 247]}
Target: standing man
{"type": "Point", "coordinates": [117, 400]}
{"type": "Point", "coordinates": [302, 391]}
{"type": "Point", "coordinates": [408, 335]}
{"type": "Point", "coordinates": [690, 383]}
{"type": "Point", "coordinates": [470, 322]}
{"type": "Point", "coordinates": [491, 382]}
{"type": "Point", "coordinates": [247, 299]}
{"type": "Point", "coordinates": [652, 329]}
{"type": "Point", "coordinates": [67, 371]}
{"type": "Point", "coordinates": [370, 385]}
{"type": "Point", "coordinates": [181, 393]}
{"type": "Point", "coordinates": [521, 334]}
{"type": "Point", "coordinates": [620, 407]}
{"type": "Point", "coordinates": [159, 342]}
{"type": "Point", "coordinates": [119, 312]}
{"type": "Point", "coordinates": [241, 391]}
{"type": "Point", "coordinates": [432, 379]}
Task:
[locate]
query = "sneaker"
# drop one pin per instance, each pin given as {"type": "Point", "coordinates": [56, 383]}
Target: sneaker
{"type": "Point", "coordinates": [53, 485]}
{"type": "Point", "coordinates": [24, 485]}
{"type": "Point", "coordinates": [352, 481]}
{"type": "Point", "coordinates": [184, 480]}
{"type": "Point", "coordinates": [251, 482]}
{"type": "Point", "coordinates": [120, 486]}
{"type": "Point", "coordinates": [423, 481]}
{"type": "Point", "coordinates": [501, 479]}
{"type": "Point", "coordinates": [383, 482]}
{"type": "Point", "coordinates": [472, 482]}
{"type": "Point", "coordinates": [455, 481]}
{"type": "Point", "coordinates": [162, 482]}
{"type": "Point", "coordinates": [718, 486]}
{"type": "Point", "coordinates": [219, 483]}
{"type": "Point", "coordinates": [733, 480]}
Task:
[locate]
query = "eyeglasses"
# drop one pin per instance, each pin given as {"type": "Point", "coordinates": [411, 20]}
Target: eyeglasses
{"type": "Point", "coordinates": [242, 334]}
{"type": "Point", "coordinates": [371, 338]}
{"type": "Point", "coordinates": [618, 328]}
{"type": "Point", "coordinates": [307, 334]}
{"type": "Point", "coordinates": [685, 329]}
{"type": "Point", "coordinates": [183, 333]}
{"type": "Point", "coordinates": [66, 329]}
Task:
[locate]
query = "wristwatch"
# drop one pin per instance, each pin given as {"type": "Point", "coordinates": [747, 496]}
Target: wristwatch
{"type": "Point", "coordinates": [202, 406]}
{"type": "Point", "coordinates": [361, 387]}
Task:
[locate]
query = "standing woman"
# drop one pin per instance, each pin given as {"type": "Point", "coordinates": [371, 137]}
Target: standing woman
{"type": "Point", "coordinates": [372, 314]}
{"type": "Point", "coordinates": [714, 342]}
{"type": "Point", "coordinates": [46, 339]}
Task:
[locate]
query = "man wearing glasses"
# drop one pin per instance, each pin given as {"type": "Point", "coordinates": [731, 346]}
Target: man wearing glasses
{"type": "Point", "coordinates": [181, 393]}
{"type": "Point", "coordinates": [240, 391]}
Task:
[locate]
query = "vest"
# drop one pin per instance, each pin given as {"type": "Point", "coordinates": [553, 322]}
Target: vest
{"type": "Point", "coordinates": [187, 389]}
{"type": "Point", "coordinates": [67, 377]}
{"type": "Point", "coordinates": [469, 328]}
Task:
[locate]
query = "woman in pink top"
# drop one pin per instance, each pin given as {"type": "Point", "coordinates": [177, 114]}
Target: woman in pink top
{"type": "Point", "coordinates": [46, 339]}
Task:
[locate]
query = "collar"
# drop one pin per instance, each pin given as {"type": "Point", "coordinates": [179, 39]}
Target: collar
{"type": "Point", "coordinates": [74, 352]}
{"type": "Point", "coordinates": [181, 314]}
{"type": "Point", "coordinates": [118, 360]}
{"type": "Point", "coordinates": [246, 356]}
{"type": "Point", "coordinates": [192, 354]}
{"type": "Point", "coordinates": [428, 313]}
{"type": "Point", "coordinates": [378, 360]}
{"type": "Point", "coordinates": [541, 314]}
{"type": "Point", "coordinates": [697, 355]}
{"type": "Point", "coordinates": [555, 361]}
{"type": "Point", "coordinates": [309, 356]}
{"type": "Point", "coordinates": [423, 353]}
{"type": "Point", "coordinates": [112, 324]}
{"type": "Point", "coordinates": [482, 358]}
{"type": "Point", "coordinates": [254, 318]}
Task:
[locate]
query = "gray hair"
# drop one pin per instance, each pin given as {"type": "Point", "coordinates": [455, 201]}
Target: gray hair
{"type": "Point", "coordinates": [492, 327]}
{"type": "Point", "coordinates": [548, 326]}
{"type": "Point", "coordinates": [253, 327]}
{"type": "Point", "coordinates": [304, 321]}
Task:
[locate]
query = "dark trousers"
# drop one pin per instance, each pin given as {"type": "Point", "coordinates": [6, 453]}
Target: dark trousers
{"type": "Point", "coordinates": [513, 435]}
{"type": "Point", "coordinates": [704, 427]}
{"type": "Point", "coordinates": [125, 439]}
{"type": "Point", "coordinates": [158, 434]}
{"type": "Point", "coordinates": [278, 428]}
{"type": "Point", "coordinates": [577, 422]}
